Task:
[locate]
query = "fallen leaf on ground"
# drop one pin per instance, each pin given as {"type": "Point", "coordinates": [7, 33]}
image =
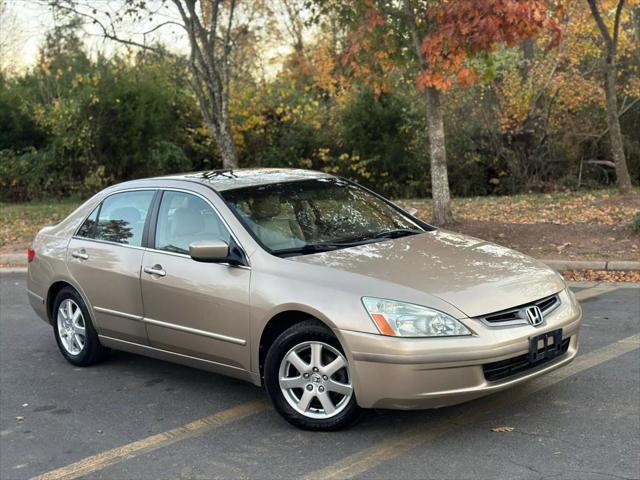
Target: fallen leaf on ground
{"type": "Point", "coordinates": [601, 276]}
{"type": "Point", "coordinates": [502, 429]}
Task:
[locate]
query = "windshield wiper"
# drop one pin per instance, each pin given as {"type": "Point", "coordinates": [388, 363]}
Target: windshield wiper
{"type": "Point", "coordinates": [327, 247]}
{"type": "Point", "coordinates": [316, 248]}
{"type": "Point", "coordinates": [398, 232]}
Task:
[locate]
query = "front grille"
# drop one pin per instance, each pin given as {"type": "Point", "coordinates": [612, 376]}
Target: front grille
{"type": "Point", "coordinates": [513, 366]}
{"type": "Point", "coordinates": [516, 315]}
{"type": "Point", "coordinates": [547, 303]}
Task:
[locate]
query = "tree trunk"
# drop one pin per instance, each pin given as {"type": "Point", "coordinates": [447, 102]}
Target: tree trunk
{"type": "Point", "coordinates": [439, 178]}
{"type": "Point", "coordinates": [635, 21]}
{"type": "Point", "coordinates": [613, 117]}
{"type": "Point", "coordinates": [615, 134]}
{"type": "Point", "coordinates": [528, 54]}
{"type": "Point", "coordinates": [227, 148]}
{"type": "Point", "coordinates": [442, 214]}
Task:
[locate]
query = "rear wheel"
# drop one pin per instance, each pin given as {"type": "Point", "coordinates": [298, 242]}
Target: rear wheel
{"type": "Point", "coordinates": [308, 378]}
{"type": "Point", "coordinates": [76, 338]}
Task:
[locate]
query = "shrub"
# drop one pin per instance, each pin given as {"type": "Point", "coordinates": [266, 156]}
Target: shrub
{"type": "Point", "coordinates": [72, 128]}
{"type": "Point", "coordinates": [377, 134]}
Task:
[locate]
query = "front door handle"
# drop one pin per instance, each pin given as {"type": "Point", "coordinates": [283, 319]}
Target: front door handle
{"type": "Point", "coordinates": [155, 270]}
{"type": "Point", "coordinates": [81, 254]}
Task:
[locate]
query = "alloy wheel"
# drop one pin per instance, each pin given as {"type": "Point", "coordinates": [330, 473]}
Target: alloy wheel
{"type": "Point", "coordinates": [71, 327]}
{"type": "Point", "coordinates": [315, 380]}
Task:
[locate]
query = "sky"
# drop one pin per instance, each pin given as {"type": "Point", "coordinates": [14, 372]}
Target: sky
{"type": "Point", "coordinates": [21, 26]}
{"type": "Point", "coordinates": [24, 24]}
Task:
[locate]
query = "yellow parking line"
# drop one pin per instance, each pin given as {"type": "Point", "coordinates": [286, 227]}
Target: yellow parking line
{"type": "Point", "coordinates": [110, 457]}
{"type": "Point", "coordinates": [594, 291]}
{"type": "Point", "coordinates": [408, 439]}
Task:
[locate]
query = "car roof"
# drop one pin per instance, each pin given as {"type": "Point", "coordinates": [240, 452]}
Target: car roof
{"type": "Point", "coordinates": [221, 180]}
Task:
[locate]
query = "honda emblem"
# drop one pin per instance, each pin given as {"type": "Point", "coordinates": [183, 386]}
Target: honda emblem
{"type": "Point", "coordinates": [534, 316]}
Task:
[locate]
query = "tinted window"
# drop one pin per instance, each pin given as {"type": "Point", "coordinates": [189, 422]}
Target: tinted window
{"type": "Point", "coordinates": [88, 227]}
{"type": "Point", "coordinates": [184, 219]}
{"type": "Point", "coordinates": [121, 218]}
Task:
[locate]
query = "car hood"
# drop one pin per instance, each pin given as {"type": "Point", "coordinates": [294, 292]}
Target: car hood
{"type": "Point", "coordinates": [475, 276]}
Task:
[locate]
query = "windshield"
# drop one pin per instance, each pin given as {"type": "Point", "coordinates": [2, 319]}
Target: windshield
{"type": "Point", "coordinates": [316, 215]}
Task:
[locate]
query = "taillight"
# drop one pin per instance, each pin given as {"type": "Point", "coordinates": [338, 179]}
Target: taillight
{"type": "Point", "coordinates": [31, 254]}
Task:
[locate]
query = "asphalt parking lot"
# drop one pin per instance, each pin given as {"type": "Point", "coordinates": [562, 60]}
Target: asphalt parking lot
{"type": "Point", "coordinates": [133, 417]}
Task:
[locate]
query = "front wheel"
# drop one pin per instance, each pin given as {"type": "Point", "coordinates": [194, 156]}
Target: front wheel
{"type": "Point", "coordinates": [308, 379]}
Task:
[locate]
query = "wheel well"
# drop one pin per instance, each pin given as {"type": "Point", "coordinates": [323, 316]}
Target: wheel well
{"type": "Point", "coordinates": [278, 324]}
{"type": "Point", "coordinates": [51, 296]}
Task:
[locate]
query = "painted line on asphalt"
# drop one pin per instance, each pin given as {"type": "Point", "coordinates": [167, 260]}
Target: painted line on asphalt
{"type": "Point", "coordinates": [411, 438]}
{"type": "Point", "coordinates": [594, 292]}
{"type": "Point", "coordinates": [110, 457]}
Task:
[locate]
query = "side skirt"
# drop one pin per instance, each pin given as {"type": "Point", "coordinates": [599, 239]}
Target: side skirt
{"type": "Point", "coordinates": [180, 358]}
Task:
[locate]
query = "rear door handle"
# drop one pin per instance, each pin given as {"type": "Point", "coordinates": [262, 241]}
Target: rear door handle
{"type": "Point", "coordinates": [81, 254]}
{"type": "Point", "coordinates": [155, 270]}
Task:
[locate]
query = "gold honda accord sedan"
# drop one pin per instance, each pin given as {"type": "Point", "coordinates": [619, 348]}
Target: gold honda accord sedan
{"type": "Point", "coordinates": [329, 295]}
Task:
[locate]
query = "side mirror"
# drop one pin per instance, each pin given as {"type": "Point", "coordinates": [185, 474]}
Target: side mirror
{"type": "Point", "coordinates": [209, 251]}
{"type": "Point", "coordinates": [411, 211]}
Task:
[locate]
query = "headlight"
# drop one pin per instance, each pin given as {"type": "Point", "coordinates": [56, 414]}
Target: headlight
{"type": "Point", "coordinates": [409, 320]}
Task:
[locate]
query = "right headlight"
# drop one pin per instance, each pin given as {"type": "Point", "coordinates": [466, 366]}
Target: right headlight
{"type": "Point", "coordinates": [408, 320]}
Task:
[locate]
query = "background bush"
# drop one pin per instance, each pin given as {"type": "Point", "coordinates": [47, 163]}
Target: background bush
{"type": "Point", "coordinates": [74, 124]}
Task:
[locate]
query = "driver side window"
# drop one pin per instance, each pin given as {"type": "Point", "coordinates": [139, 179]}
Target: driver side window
{"type": "Point", "coordinates": [183, 219]}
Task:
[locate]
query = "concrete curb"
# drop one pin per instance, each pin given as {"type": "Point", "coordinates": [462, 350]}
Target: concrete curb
{"type": "Point", "coordinates": [20, 260]}
{"type": "Point", "coordinates": [13, 259]}
{"type": "Point", "coordinates": [6, 270]}
{"type": "Point", "coordinates": [617, 265]}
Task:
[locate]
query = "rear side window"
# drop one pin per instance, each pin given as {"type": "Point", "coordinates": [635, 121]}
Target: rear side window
{"type": "Point", "coordinates": [120, 218]}
{"type": "Point", "coordinates": [88, 227]}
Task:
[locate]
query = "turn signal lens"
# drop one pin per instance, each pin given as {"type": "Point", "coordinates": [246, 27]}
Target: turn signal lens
{"type": "Point", "coordinates": [382, 324]}
{"type": "Point", "coordinates": [31, 254]}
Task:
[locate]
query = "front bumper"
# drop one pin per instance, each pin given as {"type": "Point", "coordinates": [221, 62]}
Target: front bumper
{"type": "Point", "coordinates": [415, 373]}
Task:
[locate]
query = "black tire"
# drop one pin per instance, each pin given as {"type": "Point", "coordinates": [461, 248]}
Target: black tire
{"type": "Point", "coordinates": [305, 331]}
{"type": "Point", "coordinates": [92, 351]}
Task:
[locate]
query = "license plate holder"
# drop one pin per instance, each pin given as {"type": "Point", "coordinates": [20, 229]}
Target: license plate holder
{"type": "Point", "coordinates": [545, 346]}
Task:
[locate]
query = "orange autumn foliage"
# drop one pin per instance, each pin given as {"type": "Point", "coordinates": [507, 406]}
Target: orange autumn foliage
{"type": "Point", "coordinates": [368, 53]}
{"type": "Point", "coordinates": [464, 28]}
{"type": "Point", "coordinates": [457, 30]}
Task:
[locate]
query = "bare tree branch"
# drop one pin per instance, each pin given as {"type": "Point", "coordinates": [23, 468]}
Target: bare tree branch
{"type": "Point", "coordinates": [604, 31]}
{"type": "Point", "coordinates": [616, 24]}
{"type": "Point", "coordinates": [611, 41]}
{"type": "Point", "coordinates": [106, 33]}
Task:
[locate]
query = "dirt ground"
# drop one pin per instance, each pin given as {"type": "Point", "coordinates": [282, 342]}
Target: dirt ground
{"type": "Point", "coordinates": [565, 242]}
{"type": "Point", "coordinates": [588, 226]}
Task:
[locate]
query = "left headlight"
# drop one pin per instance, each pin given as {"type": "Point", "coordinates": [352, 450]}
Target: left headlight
{"type": "Point", "coordinates": [408, 320]}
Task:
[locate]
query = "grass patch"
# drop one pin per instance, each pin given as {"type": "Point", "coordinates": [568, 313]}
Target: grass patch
{"type": "Point", "coordinates": [21, 221]}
